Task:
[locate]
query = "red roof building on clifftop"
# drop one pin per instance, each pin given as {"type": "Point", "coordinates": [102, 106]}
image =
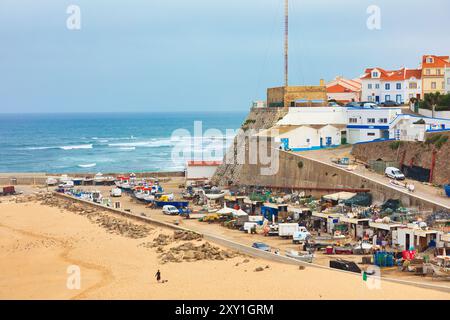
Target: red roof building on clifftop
{"type": "Point", "coordinates": [433, 73]}
{"type": "Point", "coordinates": [344, 90]}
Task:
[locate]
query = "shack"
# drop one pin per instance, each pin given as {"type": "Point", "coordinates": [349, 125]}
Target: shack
{"type": "Point", "coordinates": [274, 211]}
{"type": "Point", "coordinates": [418, 238]}
{"type": "Point", "coordinates": [357, 228]}
{"type": "Point", "coordinates": [325, 222]}
{"type": "Point", "coordinates": [385, 232]}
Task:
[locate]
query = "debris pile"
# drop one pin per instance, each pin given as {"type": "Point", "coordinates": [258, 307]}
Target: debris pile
{"type": "Point", "coordinates": [186, 235]}
{"type": "Point", "coordinates": [123, 227]}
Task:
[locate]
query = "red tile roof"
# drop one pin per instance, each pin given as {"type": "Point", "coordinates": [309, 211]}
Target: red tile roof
{"type": "Point", "coordinates": [438, 61]}
{"type": "Point", "coordinates": [416, 73]}
{"type": "Point", "coordinates": [394, 75]}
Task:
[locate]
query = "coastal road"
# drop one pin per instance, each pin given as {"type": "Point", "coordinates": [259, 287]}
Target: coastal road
{"type": "Point", "coordinates": [422, 191]}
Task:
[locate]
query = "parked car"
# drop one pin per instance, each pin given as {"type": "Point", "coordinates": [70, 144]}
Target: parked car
{"type": "Point", "coordinates": [261, 246]}
{"type": "Point", "coordinates": [115, 192]}
{"type": "Point", "coordinates": [170, 210]}
{"type": "Point", "coordinates": [390, 103]}
{"type": "Point", "coordinates": [394, 173]}
{"type": "Point", "coordinates": [368, 104]}
{"type": "Point", "coordinates": [352, 104]}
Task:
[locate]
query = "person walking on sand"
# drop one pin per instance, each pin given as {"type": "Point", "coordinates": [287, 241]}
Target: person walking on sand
{"type": "Point", "coordinates": [158, 276]}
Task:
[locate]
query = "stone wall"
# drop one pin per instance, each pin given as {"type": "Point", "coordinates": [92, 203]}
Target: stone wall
{"type": "Point", "coordinates": [291, 93]}
{"type": "Point", "coordinates": [257, 119]}
{"type": "Point", "coordinates": [410, 153]}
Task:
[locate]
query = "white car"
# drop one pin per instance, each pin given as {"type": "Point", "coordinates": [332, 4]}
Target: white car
{"type": "Point", "coordinates": [394, 173]}
{"type": "Point", "coordinates": [116, 192]}
{"type": "Point", "coordinates": [170, 210]}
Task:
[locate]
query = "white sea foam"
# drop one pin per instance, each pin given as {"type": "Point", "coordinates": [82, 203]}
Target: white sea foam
{"type": "Point", "coordinates": [80, 146]}
{"type": "Point", "coordinates": [39, 148]}
{"type": "Point", "coordinates": [127, 148]}
{"type": "Point", "coordinates": [89, 165]}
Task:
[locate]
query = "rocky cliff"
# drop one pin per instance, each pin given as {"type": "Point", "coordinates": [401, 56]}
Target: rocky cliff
{"type": "Point", "coordinates": [257, 119]}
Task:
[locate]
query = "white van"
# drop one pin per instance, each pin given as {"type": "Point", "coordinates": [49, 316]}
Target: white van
{"type": "Point", "coordinates": [394, 173]}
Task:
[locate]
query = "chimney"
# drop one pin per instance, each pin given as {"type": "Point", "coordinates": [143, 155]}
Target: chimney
{"type": "Point", "coordinates": [322, 82]}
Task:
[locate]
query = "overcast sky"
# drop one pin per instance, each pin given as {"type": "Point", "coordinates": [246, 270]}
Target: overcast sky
{"type": "Point", "coordinates": [213, 55]}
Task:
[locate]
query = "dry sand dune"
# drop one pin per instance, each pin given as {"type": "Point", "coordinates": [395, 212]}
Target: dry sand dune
{"type": "Point", "coordinates": [38, 243]}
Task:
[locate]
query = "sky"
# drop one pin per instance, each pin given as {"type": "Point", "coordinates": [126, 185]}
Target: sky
{"type": "Point", "coordinates": [198, 55]}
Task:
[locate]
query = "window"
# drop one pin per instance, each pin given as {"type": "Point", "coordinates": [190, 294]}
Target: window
{"type": "Point", "coordinates": [448, 81]}
{"type": "Point", "coordinates": [429, 60]}
{"type": "Point", "coordinates": [427, 71]}
{"type": "Point", "coordinates": [438, 72]}
{"type": "Point", "coordinates": [399, 86]}
{"type": "Point", "coordinates": [382, 120]}
{"type": "Point", "coordinates": [433, 85]}
{"type": "Point", "coordinates": [371, 120]}
{"type": "Point", "coordinates": [387, 86]}
{"type": "Point", "coordinates": [369, 86]}
{"type": "Point", "coordinates": [377, 86]}
{"type": "Point", "coordinates": [387, 97]}
{"type": "Point", "coordinates": [371, 134]}
{"type": "Point", "coordinates": [413, 85]}
{"type": "Point", "coordinates": [353, 120]}
{"type": "Point", "coordinates": [411, 95]}
{"type": "Point", "coordinates": [375, 74]}
{"type": "Point", "coordinates": [307, 140]}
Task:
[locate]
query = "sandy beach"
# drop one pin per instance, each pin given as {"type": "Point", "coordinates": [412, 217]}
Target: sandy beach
{"type": "Point", "coordinates": [38, 243]}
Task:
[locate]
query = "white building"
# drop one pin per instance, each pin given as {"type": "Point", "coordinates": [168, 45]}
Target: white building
{"type": "Point", "coordinates": [368, 124]}
{"type": "Point", "coordinates": [407, 127]}
{"type": "Point", "coordinates": [309, 128]}
{"type": "Point", "coordinates": [379, 85]}
{"type": "Point", "coordinates": [200, 170]}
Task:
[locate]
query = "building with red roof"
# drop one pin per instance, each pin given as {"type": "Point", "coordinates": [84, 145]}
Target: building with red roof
{"type": "Point", "coordinates": [380, 85]}
{"type": "Point", "coordinates": [433, 73]}
{"type": "Point", "coordinates": [344, 90]}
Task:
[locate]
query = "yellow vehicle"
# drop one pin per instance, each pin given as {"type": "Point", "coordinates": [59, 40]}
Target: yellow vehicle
{"type": "Point", "coordinates": [211, 217]}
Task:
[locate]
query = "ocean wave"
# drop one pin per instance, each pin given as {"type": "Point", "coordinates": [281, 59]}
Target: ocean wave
{"type": "Point", "coordinates": [114, 138]}
{"type": "Point", "coordinates": [127, 148]}
{"type": "Point", "coordinates": [89, 165]}
{"type": "Point", "coordinates": [80, 146]}
{"type": "Point", "coordinates": [154, 143]}
{"type": "Point", "coordinates": [40, 148]}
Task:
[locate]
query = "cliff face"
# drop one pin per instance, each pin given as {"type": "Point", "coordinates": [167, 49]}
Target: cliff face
{"type": "Point", "coordinates": [418, 154]}
{"type": "Point", "coordinates": [257, 119]}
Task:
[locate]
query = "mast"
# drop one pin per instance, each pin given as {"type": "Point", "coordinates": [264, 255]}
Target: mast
{"type": "Point", "coordinates": [286, 38]}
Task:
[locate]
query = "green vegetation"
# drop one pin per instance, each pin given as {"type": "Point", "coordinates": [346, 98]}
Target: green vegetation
{"type": "Point", "coordinates": [438, 140]}
{"type": "Point", "coordinates": [248, 121]}
{"type": "Point", "coordinates": [395, 145]}
{"type": "Point", "coordinates": [440, 101]}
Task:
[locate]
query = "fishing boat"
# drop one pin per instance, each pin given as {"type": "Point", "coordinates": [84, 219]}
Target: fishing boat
{"type": "Point", "coordinates": [51, 181]}
{"type": "Point", "coordinates": [98, 178]}
{"type": "Point", "coordinates": [305, 257]}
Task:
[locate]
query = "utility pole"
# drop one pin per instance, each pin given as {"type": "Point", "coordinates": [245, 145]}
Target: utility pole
{"type": "Point", "coordinates": [286, 38]}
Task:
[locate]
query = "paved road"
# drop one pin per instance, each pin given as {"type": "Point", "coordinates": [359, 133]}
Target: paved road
{"type": "Point", "coordinates": [426, 192]}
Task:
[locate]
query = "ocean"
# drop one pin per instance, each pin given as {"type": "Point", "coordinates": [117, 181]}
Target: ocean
{"type": "Point", "coordinates": [113, 142]}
